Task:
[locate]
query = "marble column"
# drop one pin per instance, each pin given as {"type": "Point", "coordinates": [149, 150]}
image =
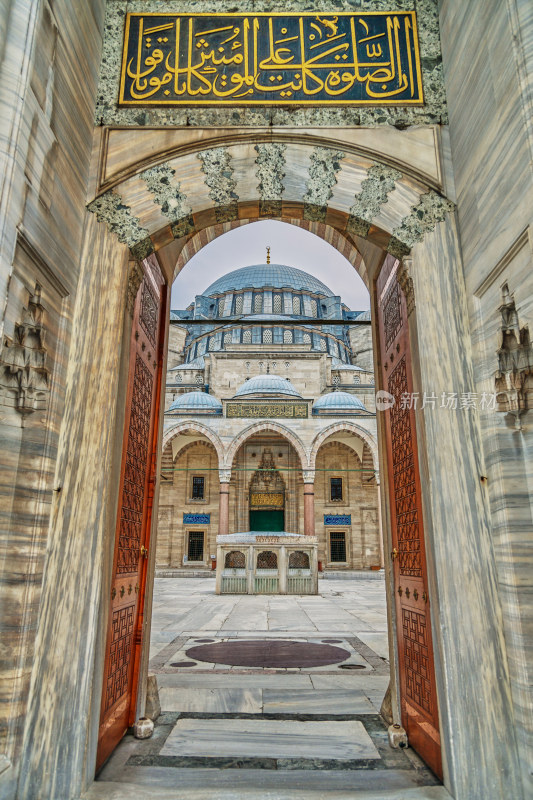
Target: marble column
{"type": "Point", "coordinates": [223, 503]}
{"type": "Point", "coordinates": [309, 503]}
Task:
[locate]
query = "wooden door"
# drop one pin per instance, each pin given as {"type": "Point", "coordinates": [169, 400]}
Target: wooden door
{"type": "Point", "coordinates": [415, 648]}
{"type": "Point", "coordinates": [137, 479]}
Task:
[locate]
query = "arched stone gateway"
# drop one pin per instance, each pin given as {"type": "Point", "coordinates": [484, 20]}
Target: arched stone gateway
{"type": "Point", "coordinates": [161, 178]}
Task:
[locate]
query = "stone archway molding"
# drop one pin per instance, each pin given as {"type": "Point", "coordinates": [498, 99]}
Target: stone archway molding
{"type": "Point", "coordinates": [198, 427]}
{"type": "Point", "coordinates": [344, 427]}
{"type": "Point", "coordinates": [272, 427]}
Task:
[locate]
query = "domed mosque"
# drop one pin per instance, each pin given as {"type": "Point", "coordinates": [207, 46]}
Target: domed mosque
{"type": "Point", "coordinates": [270, 421]}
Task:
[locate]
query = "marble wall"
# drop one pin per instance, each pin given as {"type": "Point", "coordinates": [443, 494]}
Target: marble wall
{"type": "Point", "coordinates": [489, 79]}
{"type": "Point", "coordinates": [48, 74]}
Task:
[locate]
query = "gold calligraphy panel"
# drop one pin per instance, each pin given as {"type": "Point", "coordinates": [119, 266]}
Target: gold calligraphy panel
{"type": "Point", "coordinates": [270, 410]}
{"type": "Point", "coordinates": [263, 499]}
{"type": "Point", "coordinates": [271, 59]}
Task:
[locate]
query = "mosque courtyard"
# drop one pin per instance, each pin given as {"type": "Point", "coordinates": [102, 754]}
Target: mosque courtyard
{"type": "Point", "coordinates": [291, 709]}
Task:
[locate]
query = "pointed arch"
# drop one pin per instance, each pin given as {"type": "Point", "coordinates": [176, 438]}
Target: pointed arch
{"type": "Point", "coordinates": [344, 427]}
{"type": "Point", "coordinates": [193, 425]}
{"type": "Point", "coordinates": [273, 427]}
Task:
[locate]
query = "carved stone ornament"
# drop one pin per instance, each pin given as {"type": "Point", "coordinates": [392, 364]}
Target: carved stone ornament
{"type": "Point", "coordinates": [513, 381]}
{"type": "Point", "coordinates": [406, 282]}
{"type": "Point", "coordinates": [309, 475]}
{"type": "Point", "coordinates": [135, 276]}
{"type": "Point", "coordinates": [24, 376]}
{"type": "Point", "coordinates": [224, 475]}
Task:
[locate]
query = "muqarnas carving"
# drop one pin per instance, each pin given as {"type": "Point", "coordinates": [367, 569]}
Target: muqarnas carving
{"type": "Point", "coordinates": [24, 376]}
{"type": "Point", "coordinates": [514, 378]}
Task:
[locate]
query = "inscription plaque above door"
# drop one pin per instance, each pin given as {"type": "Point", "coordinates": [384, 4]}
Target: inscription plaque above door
{"type": "Point", "coordinates": [371, 58]}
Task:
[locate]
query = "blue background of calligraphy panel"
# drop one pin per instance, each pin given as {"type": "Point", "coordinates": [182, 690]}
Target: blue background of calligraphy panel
{"type": "Point", "coordinates": [196, 519]}
{"type": "Point", "coordinates": [158, 84]}
{"type": "Point", "coordinates": [337, 519]}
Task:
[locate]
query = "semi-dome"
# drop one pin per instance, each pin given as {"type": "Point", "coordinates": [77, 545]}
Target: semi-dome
{"type": "Point", "coordinates": [277, 276]}
{"type": "Point", "coordinates": [197, 403]}
{"type": "Point", "coordinates": [267, 385]}
{"type": "Point", "coordinates": [338, 402]}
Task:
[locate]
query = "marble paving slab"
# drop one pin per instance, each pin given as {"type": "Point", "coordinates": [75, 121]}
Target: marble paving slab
{"type": "Point", "coordinates": [211, 701]}
{"type": "Point", "coordinates": [311, 701]}
{"type": "Point", "coordinates": [283, 791]}
{"type": "Point", "coordinates": [249, 738]}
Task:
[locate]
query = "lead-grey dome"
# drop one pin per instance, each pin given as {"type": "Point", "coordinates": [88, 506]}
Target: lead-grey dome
{"type": "Point", "coordinates": [197, 403]}
{"type": "Point", "coordinates": [277, 276]}
{"type": "Point", "coordinates": [267, 385]}
{"type": "Point", "coordinates": [338, 402]}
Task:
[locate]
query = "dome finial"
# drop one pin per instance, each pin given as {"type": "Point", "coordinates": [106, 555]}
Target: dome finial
{"type": "Point", "coordinates": [268, 254]}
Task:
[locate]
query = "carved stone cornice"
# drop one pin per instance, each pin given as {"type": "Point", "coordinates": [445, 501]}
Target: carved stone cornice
{"type": "Point", "coordinates": [135, 276]}
{"type": "Point", "coordinates": [224, 475]}
{"type": "Point", "coordinates": [406, 282]}
{"type": "Point", "coordinates": [309, 475]}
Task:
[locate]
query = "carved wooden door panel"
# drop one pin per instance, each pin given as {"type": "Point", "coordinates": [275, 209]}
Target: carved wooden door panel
{"type": "Point", "coordinates": [415, 648]}
{"type": "Point", "coordinates": [134, 511]}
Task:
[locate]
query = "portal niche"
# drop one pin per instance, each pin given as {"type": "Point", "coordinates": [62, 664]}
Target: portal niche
{"type": "Point", "coordinates": [267, 496]}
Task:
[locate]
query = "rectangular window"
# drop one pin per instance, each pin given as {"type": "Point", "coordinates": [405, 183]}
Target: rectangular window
{"type": "Point", "coordinates": [336, 488]}
{"type": "Point", "coordinates": [195, 549]}
{"type": "Point", "coordinates": [198, 487]}
{"type": "Point", "coordinates": [337, 546]}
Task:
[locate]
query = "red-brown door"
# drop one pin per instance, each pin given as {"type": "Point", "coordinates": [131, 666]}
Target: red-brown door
{"type": "Point", "coordinates": [415, 648]}
{"type": "Point", "coordinates": [134, 512]}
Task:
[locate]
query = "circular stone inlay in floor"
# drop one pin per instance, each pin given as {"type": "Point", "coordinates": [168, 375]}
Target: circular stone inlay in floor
{"type": "Point", "coordinates": [183, 664]}
{"type": "Point", "coordinates": [269, 653]}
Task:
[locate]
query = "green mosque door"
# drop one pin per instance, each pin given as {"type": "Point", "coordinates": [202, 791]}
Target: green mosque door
{"type": "Point", "coordinates": [264, 520]}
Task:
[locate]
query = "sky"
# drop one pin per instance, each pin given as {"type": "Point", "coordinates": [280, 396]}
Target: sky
{"type": "Point", "coordinates": [289, 245]}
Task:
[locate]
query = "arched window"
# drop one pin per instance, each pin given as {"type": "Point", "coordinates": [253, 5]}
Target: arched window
{"type": "Point", "coordinates": [307, 338]}
{"type": "Point", "coordinates": [221, 304]}
{"type": "Point", "coordinates": [323, 345]}
{"type": "Point", "coordinates": [267, 560]}
{"type": "Point", "coordinates": [314, 308]}
{"type": "Point", "coordinates": [299, 560]}
{"type": "Point", "coordinates": [179, 377]}
{"type": "Point", "coordinates": [267, 336]}
{"type": "Point", "coordinates": [277, 305]}
{"type": "Point", "coordinates": [296, 305]}
{"type": "Point", "coordinates": [235, 560]}
{"type": "Point", "coordinates": [287, 336]}
{"type": "Point", "coordinates": [212, 343]}
{"type": "Point", "coordinates": [238, 304]}
{"type": "Point", "coordinates": [258, 303]}
{"type": "Point", "coordinates": [247, 337]}
{"type": "Point", "coordinates": [199, 379]}
{"type": "Point", "coordinates": [227, 338]}
{"type": "Point", "coordinates": [336, 380]}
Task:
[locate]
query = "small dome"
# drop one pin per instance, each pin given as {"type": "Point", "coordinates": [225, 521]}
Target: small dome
{"type": "Point", "coordinates": [197, 402]}
{"type": "Point", "coordinates": [267, 384]}
{"type": "Point", "coordinates": [275, 276]}
{"type": "Point", "coordinates": [338, 402]}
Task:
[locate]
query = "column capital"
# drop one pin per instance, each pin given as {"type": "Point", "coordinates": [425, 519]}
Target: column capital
{"type": "Point", "coordinates": [309, 475]}
{"type": "Point", "coordinates": [224, 475]}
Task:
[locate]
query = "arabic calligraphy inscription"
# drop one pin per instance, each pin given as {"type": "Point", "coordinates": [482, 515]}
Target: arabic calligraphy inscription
{"type": "Point", "coordinates": [271, 59]}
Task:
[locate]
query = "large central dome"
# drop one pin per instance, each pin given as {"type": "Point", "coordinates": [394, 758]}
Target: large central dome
{"type": "Point", "coordinates": [277, 276]}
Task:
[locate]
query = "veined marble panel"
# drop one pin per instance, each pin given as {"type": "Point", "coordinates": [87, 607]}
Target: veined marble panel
{"type": "Point", "coordinates": [242, 738]}
{"type": "Point", "coordinates": [353, 172]}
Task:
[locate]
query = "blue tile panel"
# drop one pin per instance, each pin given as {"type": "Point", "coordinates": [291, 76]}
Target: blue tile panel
{"type": "Point", "coordinates": [337, 519]}
{"type": "Point", "coordinates": [196, 519]}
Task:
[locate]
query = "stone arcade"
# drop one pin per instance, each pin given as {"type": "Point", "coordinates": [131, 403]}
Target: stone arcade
{"type": "Point", "coordinates": [414, 159]}
{"type": "Point", "coordinates": [247, 448]}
